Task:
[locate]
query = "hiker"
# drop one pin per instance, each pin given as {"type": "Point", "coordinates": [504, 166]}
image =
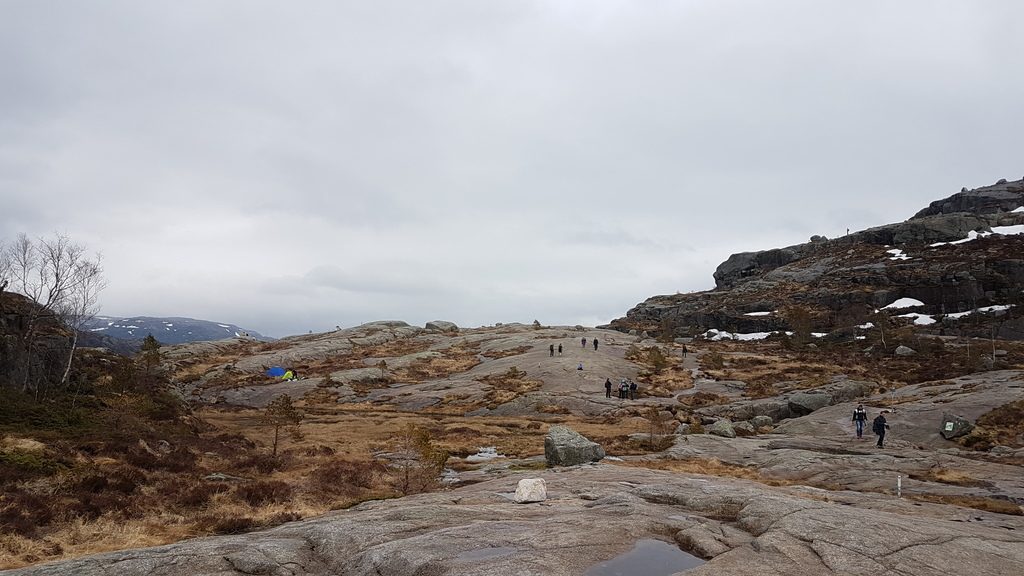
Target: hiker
{"type": "Point", "coordinates": [684, 351]}
{"type": "Point", "coordinates": [595, 344]}
{"type": "Point", "coordinates": [879, 427]}
{"type": "Point", "coordinates": [860, 416]}
{"type": "Point", "coordinates": [551, 349]}
{"type": "Point", "coordinates": [583, 341]}
{"type": "Point", "coordinates": [580, 367]}
{"type": "Point", "coordinates": [632, 390]}
{"type": "Point", "coordinates": [559, 349]}
{"type": "Point", "coordinates": [623, 389]}
{"type": "Point", "coordinates": [607, 387]}
{"type": "Point", "coordinates": [288, 375]}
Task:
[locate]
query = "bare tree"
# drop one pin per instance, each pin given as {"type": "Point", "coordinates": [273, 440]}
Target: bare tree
{"type": "Point", "coordinates": [63, 282]}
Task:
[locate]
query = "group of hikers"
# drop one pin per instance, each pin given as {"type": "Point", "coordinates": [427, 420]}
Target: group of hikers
{"type": "Point", "coordinates": [583, 343]}
{"type": "Point", "coordinates": [878, 425]}
{"type": "Point", "coordinates": [627, 388]}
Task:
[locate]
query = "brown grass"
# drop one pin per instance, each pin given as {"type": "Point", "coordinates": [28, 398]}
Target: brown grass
{"type": "Point", "coordinates": [952, 477]}
{"type": "Point", "coordinates": [977, 502]}
{"type": "Point", "coordinates": [496, 354]}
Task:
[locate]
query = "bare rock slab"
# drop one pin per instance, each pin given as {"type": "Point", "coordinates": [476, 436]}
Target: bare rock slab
{"type": "Point", "coordinates": [564, 446]}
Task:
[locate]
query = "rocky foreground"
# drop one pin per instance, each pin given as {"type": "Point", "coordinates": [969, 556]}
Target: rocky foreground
{"type": "Point", "coordinates": [594, 513]}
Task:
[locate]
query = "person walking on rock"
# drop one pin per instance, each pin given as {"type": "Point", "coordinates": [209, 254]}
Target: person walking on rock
{"type": "Point", "coordinates": [623, 389]}
{"type": "Point", "coordinates": [551, 349]}
{"type": "Point", "coordinates": [684, 351]}
{"type": "Point", "coordinates": [632, 390]}
{"type": "Point", "coordinates": [607, 387]}
{"type": "Point", "coordinates": [860, 416]}
{"type": "Point", "coordinates": [595, 344]}
{"type": "Point", "coordinates": [583, 341]}
{"type": "Point", "coordinates": [879, 427]}
{"type": "Point", "coordinates": [559, 349]}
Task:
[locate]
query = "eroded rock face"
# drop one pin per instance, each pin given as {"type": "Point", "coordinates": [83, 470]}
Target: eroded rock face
{"type": "Point", "coordinates": [595, 514]}
{"type": "Point", "coordinates": [1001, 197]}
{"type": "Point", "coordinates": [564, 446]}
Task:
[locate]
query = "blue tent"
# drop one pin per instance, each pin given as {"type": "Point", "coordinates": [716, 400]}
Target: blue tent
{"type": "Point", "coordinates": [276, 372]}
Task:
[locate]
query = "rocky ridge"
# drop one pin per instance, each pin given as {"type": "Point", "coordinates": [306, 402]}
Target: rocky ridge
{"type": "Point", "coordinates": [957, 257]}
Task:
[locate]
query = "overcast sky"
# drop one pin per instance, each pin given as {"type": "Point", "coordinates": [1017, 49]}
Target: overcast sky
{"type": "Point", "coordinates": [292, 166]}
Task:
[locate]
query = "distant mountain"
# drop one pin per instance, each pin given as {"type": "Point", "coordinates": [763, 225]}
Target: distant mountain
{"type": "Point", "coordinates": [166, 330]}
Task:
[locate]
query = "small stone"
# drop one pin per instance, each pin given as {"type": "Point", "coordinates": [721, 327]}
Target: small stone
{"type": "Point", "coordinates": [905, 351]}
{"type": "Point", "coordinates": [531, 490]}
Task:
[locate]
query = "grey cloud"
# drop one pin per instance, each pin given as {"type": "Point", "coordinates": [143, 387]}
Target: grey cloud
{"type": "Point", "coordinates": [288, 167]}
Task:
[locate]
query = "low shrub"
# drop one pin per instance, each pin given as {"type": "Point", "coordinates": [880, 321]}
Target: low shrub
{"type": "Point", "coordinates": [264, 492]}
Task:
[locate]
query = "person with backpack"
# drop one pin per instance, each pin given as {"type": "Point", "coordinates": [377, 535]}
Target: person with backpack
{"type": "Point", "coordinates": [632, 390]}
{"type": "Point", "coordinates": [583, 341]}
{"type": "Point", "coordinates": [608, 388]}
{"type": "Point", "coordinates": [860, 416]}
{"type": "Point", "coordinates": [623, 389]}
{"type": "Point", "coordinates": [559, 349]}
{"type": "Point", "coordinates": [595, 344]}
{"type": "Point", "coordinates": [551, 349]}
{"type": "Point", "coordinates": [879, 427]}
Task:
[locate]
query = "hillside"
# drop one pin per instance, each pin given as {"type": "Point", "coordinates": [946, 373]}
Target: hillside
{"type": "Point", "coordinates": [961, 259]}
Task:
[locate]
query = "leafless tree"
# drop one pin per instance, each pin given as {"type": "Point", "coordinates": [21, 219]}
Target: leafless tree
{"type": "Point", "coordinates": [63, 282]}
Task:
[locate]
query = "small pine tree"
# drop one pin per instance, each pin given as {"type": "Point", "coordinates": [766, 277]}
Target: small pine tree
{"type": "Point", "coordinates": [281, 413]}
{"type": "Point", "coordinates": [420, 462]}
{"type": "Point", "coordinates": [656, 358]}
{"type": "Point", "coordinates": [150, 355]}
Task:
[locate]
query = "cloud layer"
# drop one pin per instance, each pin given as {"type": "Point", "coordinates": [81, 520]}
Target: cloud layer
{"type": "Point", "coordinates": [295, 166]}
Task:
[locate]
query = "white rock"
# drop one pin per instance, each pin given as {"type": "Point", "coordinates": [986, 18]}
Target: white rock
{"type": "Point", "coordinates": [531, 490]}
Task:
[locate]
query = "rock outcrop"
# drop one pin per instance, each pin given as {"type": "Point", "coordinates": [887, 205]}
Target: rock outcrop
{"type": "Point", "coordinates": [944, 256]}
{"type": "Point", "coordinates": [34, 346]}
{"type": "Point", "coordinates": [564, 446]}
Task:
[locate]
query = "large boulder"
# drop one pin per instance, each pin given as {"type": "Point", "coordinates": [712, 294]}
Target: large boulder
{"type": "Point", "coordinates": [744, 428]}
{"type": "Point", "coordinates": [803, 403]}
{"type": "Point", "coordinates": [905, 351]}
{"type": "Point", "coordinates": [955, 426]}
{"type": "Point", "coordinates": [564, 446]}
{"type": "Point", "coordinates": [441, 326]}
{"type": "Point", "coordinates": [722, 428]}
{"type": "Point", "coordinates": [761, 421]}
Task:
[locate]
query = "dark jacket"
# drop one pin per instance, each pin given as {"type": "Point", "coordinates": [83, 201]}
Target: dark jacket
{"type": "Point", "coordinates": [879, 425]}
{"type": "Point", "coordinates": [860, 414]}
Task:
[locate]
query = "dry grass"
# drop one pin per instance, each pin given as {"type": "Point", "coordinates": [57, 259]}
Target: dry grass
{"type": "Point", "coordinates": [952, 477]}
{"type": "Point", "coordinates": [977, 502]}
{"type": "Point", "coordinates": [496, 354]}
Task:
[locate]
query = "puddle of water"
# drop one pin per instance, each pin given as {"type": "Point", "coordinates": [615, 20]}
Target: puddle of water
{"type": "Point", "coordinates": [648, 558]}
{"type": "Point", "coordinates": [485, 553]}
{"type": "Point", "coordinates": [484, 454]}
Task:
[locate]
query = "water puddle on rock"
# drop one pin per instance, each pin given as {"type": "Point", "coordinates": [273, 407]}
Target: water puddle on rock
{"type": "Point", "coordinates": [648, 558]}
